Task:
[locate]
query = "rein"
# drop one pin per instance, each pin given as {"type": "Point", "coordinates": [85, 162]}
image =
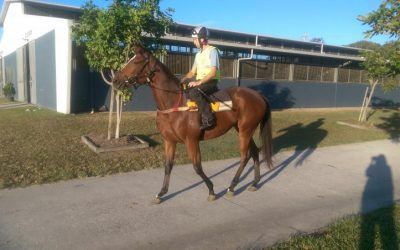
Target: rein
{"type": "Point", "coordinates": [132, 81]}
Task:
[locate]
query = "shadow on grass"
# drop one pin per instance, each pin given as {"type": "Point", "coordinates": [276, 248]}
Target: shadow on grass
{"type": "Point", "coordinates": [391, 125]}
{"type": "Point", "coordinates": [305, 139]}
{"type": "Point", "coordinates": [148, 138]}
{"type": "Point", "coordinates": [379, 186]}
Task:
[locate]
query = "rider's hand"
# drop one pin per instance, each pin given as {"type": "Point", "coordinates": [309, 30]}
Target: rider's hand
{"type": "Point", "coordinates": [183, 80]}
{"type": "Point", "coordinates": [194, 84]}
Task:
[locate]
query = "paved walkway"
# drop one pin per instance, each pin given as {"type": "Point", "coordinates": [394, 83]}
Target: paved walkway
{"type": "Point", "coordinates": [14, 105]}
{"type": "Point", "coordinates": [306, 191]}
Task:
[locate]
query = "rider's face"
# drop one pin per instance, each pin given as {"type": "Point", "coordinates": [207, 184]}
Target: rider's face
{"type": "Point", "coordinates": [196, 42]}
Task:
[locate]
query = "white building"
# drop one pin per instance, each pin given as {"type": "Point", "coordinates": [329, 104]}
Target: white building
{"type": "Point", "coordinates": [36, 51]}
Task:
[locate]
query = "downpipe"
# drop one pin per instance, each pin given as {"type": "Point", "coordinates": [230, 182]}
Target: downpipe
{"type": "Point", "coordinates": [243, 59]}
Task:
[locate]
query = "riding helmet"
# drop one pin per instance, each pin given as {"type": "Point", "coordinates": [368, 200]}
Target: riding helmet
{"type": "Point", "coordinates": [200, 32]}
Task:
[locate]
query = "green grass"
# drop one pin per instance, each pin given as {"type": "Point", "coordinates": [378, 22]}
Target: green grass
{"type": "Point", "coordinates": [377, 230]}
{"type": "Point", "coordinates": [44, 146]}
{"type": "Point", "coordinates": [4, 100]}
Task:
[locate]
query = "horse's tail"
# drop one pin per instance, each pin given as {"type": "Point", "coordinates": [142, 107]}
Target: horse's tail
{"type": "Point", "coordinates": [266, 135]}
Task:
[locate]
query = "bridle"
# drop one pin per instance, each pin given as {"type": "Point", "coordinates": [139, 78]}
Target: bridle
{"type": "Point", "coordinates": [133, 80]}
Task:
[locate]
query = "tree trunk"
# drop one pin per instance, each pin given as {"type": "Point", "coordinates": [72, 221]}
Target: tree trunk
{"type": "Point", "coordinates": [363, 104]}
{"type": "Point", "coordinates": [110, 113]}
{"type": "Point", "coordinates": [118, 99]}
{"type": "Point", "coordinates": [365, 111]}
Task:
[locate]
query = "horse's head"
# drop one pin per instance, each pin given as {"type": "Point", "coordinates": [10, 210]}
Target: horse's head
{"type": "Point", "coordinates": [136, 71]}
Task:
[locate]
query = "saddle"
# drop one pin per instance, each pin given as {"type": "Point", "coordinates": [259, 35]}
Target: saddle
{"type": "Point", "coordinates": [219, 101]}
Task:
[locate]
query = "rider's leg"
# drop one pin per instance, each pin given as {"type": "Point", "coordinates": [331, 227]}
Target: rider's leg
{"type": "Point", "coordinates": [207, 118]}
{"type": "Point", "coordinates": [205, 90]}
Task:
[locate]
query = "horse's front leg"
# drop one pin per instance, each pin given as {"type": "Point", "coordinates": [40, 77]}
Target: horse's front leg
{"type": "Point", "coordinates": [169, 148]}
{"type": "Point", "coordinates": [193, 149]}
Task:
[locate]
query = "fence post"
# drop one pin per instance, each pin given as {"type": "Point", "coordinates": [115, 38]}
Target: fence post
{"type": "Point", "coordinates": [291, 72]}
{"type": "Point", "coordinates": [322, 72]}
{"type": "Point", "coordinates": [335, 75]}
{"type": "Point", "coordinates": [273, 72]}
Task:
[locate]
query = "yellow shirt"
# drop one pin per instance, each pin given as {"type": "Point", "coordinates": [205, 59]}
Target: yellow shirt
{"type": "Point", "coordinates": [206, 59]}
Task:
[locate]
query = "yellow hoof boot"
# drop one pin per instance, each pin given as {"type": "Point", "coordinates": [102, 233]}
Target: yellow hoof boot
{"type": "Point", "coordinates": [211, 198]}
{"type": "Point", "coordinates": [230, 194]}
{"type": "Point", "coordinates": [252, 189]}
{"type": "Point", "coordinates": [156, 201]}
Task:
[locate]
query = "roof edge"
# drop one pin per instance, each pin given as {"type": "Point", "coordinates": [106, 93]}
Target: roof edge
{"type": "Point", "coordinates": [7, 3]}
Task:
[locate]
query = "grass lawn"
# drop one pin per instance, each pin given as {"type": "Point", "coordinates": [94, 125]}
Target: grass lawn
{"type": "Point", "coordinates": [4, 100]}
{"type": "Point", "coordinates": [377, 230]}
{"type": "Point", "coordinates": [43, 146]}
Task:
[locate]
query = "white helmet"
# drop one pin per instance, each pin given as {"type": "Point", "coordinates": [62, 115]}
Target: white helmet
{"type": "Point", "coordinates": [200, 32]}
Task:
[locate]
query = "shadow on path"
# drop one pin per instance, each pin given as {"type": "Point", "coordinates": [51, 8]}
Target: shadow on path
{"type": "Point", "coordinates": [304, 138]}
{"type": "Point", "coordinates": [379, 186]}
{"type": "Point", "coordinates": [169, 196]}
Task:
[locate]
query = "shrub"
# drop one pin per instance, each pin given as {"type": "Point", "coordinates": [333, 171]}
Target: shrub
{"type": "Point", "coordinates": [9, 91]}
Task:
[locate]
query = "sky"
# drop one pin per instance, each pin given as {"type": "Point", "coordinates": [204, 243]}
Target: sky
{"type": "Point", "coordinates": [334, 21]}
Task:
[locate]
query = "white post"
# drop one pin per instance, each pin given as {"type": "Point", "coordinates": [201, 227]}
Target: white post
{"type": "Point", "coordinates": [110, 112]}
{"type": "Point", "coordinates": [363, 104]}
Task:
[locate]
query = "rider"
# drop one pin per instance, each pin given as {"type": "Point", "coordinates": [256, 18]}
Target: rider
{"type": "Point", "coordinates": [206, 70]}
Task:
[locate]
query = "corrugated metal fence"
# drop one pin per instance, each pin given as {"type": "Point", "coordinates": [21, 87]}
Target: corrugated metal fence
{"type": "Point", "coordinates": [255, 69]}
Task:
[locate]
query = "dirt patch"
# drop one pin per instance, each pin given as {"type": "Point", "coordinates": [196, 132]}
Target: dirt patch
{"type": "Point", "coordinates": [101, 140]}
{"type": "Point", "coordinates": [100, 143]}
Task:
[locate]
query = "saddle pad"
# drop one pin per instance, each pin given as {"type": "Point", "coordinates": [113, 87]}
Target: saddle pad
{"type": "Point", "coordinates": [215, 106]}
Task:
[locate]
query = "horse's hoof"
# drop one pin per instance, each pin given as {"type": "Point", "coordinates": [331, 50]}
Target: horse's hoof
{"type": "Point", "coordinates": [211, 197]}
{"type": "Point", "coordinates": [252, 188]}
{"type": "Point", "coordinates": [230, 194]}
{"type": "Point", "coordinates": [156, 201]}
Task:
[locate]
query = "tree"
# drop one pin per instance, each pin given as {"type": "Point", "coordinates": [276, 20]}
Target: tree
{"type": "Point", "coordinates": [385, 20]}
{"type": "Point", "coordinates": [109, 34]}
{"type": "Point", "coordinates": [382, 64]}
{"type": "Point", "coordinates": [365, 45]}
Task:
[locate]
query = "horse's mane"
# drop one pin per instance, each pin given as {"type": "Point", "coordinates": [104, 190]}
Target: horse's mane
{"type": "Point", "coordinates": [165, 69]}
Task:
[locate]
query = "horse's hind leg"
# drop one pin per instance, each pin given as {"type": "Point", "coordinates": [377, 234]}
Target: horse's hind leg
{"type": "Point", "coordinates": [255, 155]}
{"type": "Point", "coordinates": [169, 163]}
{"type": "Point", "coordinates": [244, 139]}
{"type": "Point", "coordinates": [193, 149]}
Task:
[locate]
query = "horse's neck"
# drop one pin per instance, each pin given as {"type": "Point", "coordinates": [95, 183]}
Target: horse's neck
{"type": "Point", "coordinates": [165, 88]}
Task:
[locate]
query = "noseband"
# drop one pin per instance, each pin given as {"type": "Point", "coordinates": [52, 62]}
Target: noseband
{"type": "Point", "coordinates": [133, 80]}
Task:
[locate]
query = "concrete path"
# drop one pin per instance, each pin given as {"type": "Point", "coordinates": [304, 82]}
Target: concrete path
{"type": "Point", "coordinates": [306, 191]}
{"type": "Point", "coordinates": [13, 105]}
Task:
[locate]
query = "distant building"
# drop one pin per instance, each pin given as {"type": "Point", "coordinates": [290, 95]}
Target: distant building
{"type": "Point", "coordinates": [38, 56]}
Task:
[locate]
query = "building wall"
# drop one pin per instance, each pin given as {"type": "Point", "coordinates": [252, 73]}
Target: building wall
{"type": "Point", "coordinates": [1, 75]}
{"type": "Point", "coordinates": [21, 81]}
{"type": "Point", "coordinates": [283, 95]}
{"type": "Point", "coordinates": [20, 28]}
{"type": "Point", "coordinates": [45, 61]}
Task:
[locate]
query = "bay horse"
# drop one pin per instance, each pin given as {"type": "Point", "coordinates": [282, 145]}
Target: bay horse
{"type": "Point", "coordinates": [249, 109]}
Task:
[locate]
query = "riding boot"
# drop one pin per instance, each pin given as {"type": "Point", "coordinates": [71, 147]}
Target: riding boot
{"type": "Point", "coordinates": [207, 120]}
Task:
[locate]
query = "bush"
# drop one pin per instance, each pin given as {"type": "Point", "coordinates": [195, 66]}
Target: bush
{"type": "Point", "coordinates": [9, 91]}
